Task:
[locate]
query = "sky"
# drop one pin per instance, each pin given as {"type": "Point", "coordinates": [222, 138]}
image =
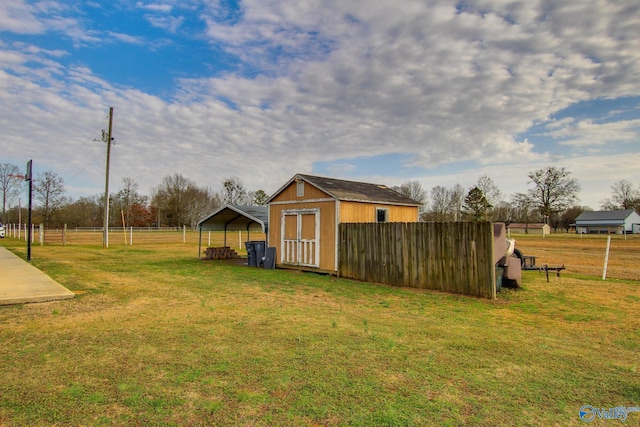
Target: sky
{"type": "Point", "coordinates": [435, 91]}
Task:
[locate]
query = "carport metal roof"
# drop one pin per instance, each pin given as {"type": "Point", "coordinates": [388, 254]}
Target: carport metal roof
{"type": "Point", "coordinates": [235, 218]}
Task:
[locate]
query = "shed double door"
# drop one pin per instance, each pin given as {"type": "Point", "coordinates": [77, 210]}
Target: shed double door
{"type": "Point", "coordinates": [300, 237]}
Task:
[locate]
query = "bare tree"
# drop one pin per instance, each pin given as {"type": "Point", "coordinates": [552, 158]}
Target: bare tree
{"type": "Point", "coordinates": [10, 185]}
{"type": "Point", "coordinates": [133, 205]}
{"type": "Point", "coordinates": [523, 205]}
{"type": "Point", "coordinates": [490, 191]}
{"type": "Point", "coordinates": [84, 212]}
{"type": "Point", "coordinates": [49, 190]}
{"type": "Point", "coordinates": [233, 192]}
{"type": "Point", "coordinates": [554, 190]}
{"type": "Point", "coordinates": [169, 199]}
{"type": "Point", "coordinates": [624, 196]}
{"type": "Point", "coordinates": [414, 190]}
{"type": "Point", "coordinates": [440, 204]}
{"type": "Point", "coordinates": [609, 205]}
{"type": "Point", "coordinates": [445, 204]}
{"type": "Point", "coordinates": [456, 196]}
{"type": "Point", "coordinates": [179, 201]}
{"type": "Point", "coordinates": [200, 202]}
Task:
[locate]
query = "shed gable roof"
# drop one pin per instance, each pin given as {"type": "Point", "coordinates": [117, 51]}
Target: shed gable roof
{"type": "Point", "coordinates": [353, 191]}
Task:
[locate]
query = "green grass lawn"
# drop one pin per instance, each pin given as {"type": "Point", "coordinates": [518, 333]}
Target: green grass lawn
{"type": "Point", "coordinates": [157, 337]}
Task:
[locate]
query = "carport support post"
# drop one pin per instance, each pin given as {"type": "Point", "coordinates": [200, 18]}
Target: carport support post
{"type": "Point", "coordinates": [200, 243]}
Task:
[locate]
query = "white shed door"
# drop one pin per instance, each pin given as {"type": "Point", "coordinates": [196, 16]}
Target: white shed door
{"type": "Point", "coordinates": [300, 237]}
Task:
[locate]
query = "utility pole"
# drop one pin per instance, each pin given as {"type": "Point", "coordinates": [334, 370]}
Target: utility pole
{"type": "Point", "coordinates": [106, 137]}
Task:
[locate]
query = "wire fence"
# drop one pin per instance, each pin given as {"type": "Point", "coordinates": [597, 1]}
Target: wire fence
{"type": "Point", "coordinates": [132, 236]}
{"type": "Point", "coordinates": [585, 253]}
{"type": "Point", "coordinates": [582, 254]}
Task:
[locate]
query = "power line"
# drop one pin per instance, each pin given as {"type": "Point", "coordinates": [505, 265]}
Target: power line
{"type": "Point", "coordinates": [92, 156]}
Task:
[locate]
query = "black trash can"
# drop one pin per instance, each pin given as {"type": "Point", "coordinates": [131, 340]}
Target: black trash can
{"type": "Point", "coordinates": [252, 261]}
{"type": "Point", "coordinates": [270, 258]}
{"type": "Point", "coordinates": [255, 252]}
{"type": "Point", "coordinates": [260, 247]}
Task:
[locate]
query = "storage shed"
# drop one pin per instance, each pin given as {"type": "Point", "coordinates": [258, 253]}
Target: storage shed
{"type": "Point", "coordinates": [616, 222]}
{"type": "Point", "coordinates": [532, 228]}
{"type": "Point", "coordinates": [305, 212]}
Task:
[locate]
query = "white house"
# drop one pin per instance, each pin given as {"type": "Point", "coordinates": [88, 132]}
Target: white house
{"type": "Point", "coordinates": [607, 222]}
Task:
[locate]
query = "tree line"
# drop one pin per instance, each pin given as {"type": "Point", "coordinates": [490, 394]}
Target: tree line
{"type": "Point", "coordinates": [178, 201]}
{"type": "Point", "coordinates": [551, 199]}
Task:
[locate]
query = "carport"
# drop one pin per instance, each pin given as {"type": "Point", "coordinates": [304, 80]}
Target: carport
{"type": "Point", "coordinates": [235, 218]}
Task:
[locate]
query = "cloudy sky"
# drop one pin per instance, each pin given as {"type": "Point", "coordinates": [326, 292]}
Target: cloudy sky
{"type": "Point", "coordinates": [431, 90]}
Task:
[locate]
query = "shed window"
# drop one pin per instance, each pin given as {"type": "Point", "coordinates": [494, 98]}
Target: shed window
{"type": "Point", "coordinates": [382, 215]}
{"type": "Point", "coordinates": [300, 188]}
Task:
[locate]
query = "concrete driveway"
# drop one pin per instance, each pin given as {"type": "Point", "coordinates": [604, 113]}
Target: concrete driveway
{"type": "Point", "coordinates": [20, 282]}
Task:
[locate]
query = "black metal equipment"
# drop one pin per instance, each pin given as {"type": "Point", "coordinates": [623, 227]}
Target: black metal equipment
{"type": "Point", "coordinates": [529, 263]}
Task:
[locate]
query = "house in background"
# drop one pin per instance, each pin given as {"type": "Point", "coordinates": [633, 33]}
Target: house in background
{"type": "Point", "coordinates": [536, 228]}
{"type": "Point", "coordinates": [608, 222]}
{"type": "Point", "coordinates": [304, 215]}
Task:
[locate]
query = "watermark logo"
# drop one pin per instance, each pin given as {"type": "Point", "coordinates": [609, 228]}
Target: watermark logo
{"type": "Point", "coordinates": [588, 413]}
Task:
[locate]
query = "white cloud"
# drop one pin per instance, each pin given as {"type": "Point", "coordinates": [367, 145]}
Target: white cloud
{"type": "Point", "coordinates": [448, 86]}
{"type": "Point", "coordinates": [22, 17]}
{"type": "Point", "coordinates": [11, 58]}
{"type": "Point", "coordinates": [72, 29]}
{"type": "Point", "coordinates": [169, 23]}
{"type": "Point", "coordinates": [35, 50]}
{"type": "Point", "coordinates": [18, 16]}
{"type": "Point", "coordinates": [125, 38]}
{"type": "Point", "coordinates": [155, 7]}
{"type": "Point", "coordinates": [596, 173]}
{"type": "Point", "coordinates": [585, 133]}
{"type": "Point", "coordinates": [340, 81]}
{"type": "Point", "coordinates": [556, 124]}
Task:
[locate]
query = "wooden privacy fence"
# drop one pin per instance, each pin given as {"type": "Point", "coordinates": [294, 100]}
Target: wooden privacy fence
{"type": "Point", "coordinates": [445, 256]}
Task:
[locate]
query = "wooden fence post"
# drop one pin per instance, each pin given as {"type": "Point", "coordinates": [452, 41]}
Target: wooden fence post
{"type": "Point", "coordinates": [606, 259]}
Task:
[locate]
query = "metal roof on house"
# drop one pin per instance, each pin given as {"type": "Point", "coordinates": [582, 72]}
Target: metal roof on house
{"type": "Point", "coordinates": [604, 216]}
{"type": "Point", "coordinates": [354, 191]}
{"type": "Point", "coordinates": [236, 218]}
